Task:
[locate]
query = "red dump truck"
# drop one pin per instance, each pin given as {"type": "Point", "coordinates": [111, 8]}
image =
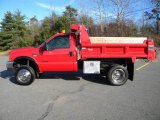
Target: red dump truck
{"type": "Point", "coordinates": [113, 57]}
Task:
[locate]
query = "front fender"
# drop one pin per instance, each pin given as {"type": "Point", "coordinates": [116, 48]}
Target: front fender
{"type": "Point", "coordinates": [28, 58]}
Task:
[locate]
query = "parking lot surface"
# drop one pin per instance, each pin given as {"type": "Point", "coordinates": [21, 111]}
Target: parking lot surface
{"type": "Point", "coordinates": [74, 96]}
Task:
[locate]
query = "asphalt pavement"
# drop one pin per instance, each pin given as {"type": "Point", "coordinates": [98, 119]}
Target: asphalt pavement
{"type": "Point", "coordinates": [74, 96]}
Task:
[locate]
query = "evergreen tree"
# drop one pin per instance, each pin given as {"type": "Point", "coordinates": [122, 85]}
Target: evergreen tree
{"type": "Point", "coordinates": [69, 17]}
{"type": "Point", "coordinates": [49, 26]}
{"type": "Point", "coordinates": [7, 31]}
{"type": "Point", "coordinates": [19, 30]}
{"type": "Point", "coordinates": [12, 31]}
{"type": "Point", "coordinates": [19, 25]}
{"type": "Point", "coordinates": [46, 28]}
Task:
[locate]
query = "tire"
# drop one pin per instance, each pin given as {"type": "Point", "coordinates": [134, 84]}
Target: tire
{"type": "Point", "coordinates": [25, 75]}
{"type": "Point", "coordinates": [39, 75]}
{"type": "Point", "coordinates": [117, 75]}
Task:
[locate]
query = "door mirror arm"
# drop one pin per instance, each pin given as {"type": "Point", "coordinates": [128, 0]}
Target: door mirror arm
{"type": "Point", "coordinates": [44, 47]}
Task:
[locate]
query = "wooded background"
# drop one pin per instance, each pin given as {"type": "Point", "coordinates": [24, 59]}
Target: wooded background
{"type": "Point", "coordinates": [16, 31]}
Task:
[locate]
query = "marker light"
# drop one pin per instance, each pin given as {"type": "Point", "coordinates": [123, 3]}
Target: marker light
{"type": "Point", "coordinates": [63, 31]}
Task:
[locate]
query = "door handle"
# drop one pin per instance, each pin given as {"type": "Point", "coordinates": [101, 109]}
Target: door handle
{"type": "Point", "coordinates": [70, 54]}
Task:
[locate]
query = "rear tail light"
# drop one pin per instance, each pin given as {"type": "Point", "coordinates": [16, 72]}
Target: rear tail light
{"type": "Point", "coordinates": [151, 47]}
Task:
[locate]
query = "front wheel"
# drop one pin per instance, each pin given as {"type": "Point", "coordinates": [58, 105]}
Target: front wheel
{"type": "Point", "coordinates": [117, 75]}
{"type": "Point", "coordinates": [25, 75]}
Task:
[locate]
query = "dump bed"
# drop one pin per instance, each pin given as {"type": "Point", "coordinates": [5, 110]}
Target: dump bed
{"type": "Point", "coordinates": [114, 47]}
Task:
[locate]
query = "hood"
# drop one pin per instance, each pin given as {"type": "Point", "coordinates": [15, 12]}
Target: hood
{"type": "Point", "coordinates": [27, 52]}
{"type": "Point", "coordinates": [23, 51]}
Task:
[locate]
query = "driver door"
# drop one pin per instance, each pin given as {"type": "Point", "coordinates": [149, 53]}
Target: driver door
{"type": "Point", "coordinates": [59, 56]}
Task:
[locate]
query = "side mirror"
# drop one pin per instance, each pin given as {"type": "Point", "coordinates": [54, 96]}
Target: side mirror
{"type": "Point", "coordinates": [44, 48]}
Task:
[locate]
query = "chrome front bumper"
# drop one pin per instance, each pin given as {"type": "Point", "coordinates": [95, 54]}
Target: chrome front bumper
{"type": "Point", "coordinates": [9, 65]}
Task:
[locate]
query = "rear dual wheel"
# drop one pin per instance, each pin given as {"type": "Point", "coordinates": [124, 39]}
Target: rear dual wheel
{"type": "Point", "coordinates": [117, 75]}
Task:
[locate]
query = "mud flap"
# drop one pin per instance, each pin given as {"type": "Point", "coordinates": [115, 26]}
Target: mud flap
{"type": "Point", "coordinates": [130, 68]}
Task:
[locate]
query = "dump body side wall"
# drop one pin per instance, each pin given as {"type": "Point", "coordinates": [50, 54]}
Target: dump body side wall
{"type": "Point", "coordinates": [133, 51]}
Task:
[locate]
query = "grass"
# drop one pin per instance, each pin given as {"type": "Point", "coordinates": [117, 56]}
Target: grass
{"type": "Point", "coordinates": [4, 53]}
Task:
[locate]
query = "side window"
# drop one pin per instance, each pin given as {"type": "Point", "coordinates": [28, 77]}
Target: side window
{"type": "Point", "coordinates": [58, 42]}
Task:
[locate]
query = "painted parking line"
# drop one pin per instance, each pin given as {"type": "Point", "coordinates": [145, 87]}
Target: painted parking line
{"type": "Point", "coordinates": [143, 66]}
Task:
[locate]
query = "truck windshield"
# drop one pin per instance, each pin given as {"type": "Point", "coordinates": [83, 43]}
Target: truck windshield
{"type": "Point", "coordinates": [58, 42]}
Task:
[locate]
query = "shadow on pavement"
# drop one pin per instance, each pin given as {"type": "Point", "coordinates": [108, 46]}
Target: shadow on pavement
{"type": "Point", "coordinates": [60, 75]}
{"type": "Point", "coordinates": [75, 76]}
{"type": "Point", "coordinates": [8, 75]}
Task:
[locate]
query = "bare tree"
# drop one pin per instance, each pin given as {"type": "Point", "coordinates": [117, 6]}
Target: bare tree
{"type": "Point", "coordinates": [121, 7]}
{"type": "Point", "coordinates": [100, 13]}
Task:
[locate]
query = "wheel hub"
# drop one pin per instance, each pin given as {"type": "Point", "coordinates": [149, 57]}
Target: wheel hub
{"type": "Point", "coordinates": [118, 75]}
{"type": "Point", "coordinates": [24, 75]}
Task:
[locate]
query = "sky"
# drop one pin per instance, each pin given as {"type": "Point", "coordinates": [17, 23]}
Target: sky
{"type": "Point", "coordinates": [42, 8]}
{"type": "Point", "coordinates": [29, 8]}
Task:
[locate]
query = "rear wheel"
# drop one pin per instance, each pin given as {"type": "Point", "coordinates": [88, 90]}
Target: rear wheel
{"type": "Point", "coordinates": [25, 75]}
{"type": "Point", "coordinates": [117, 75]}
